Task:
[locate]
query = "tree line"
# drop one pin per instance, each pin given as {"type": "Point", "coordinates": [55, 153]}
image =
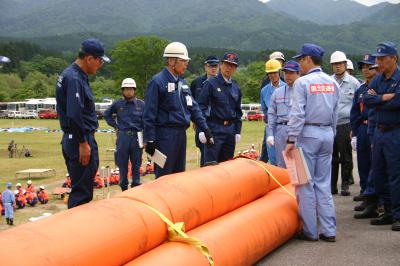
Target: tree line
{"type": "Point", "coordinates": [33, 71]}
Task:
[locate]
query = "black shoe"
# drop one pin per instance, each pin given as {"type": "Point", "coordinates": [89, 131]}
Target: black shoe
{"type": "Point", "coordinates": [383, 219]}
{"type": "Point", "coordinates": [345, 192]}
{"type": "Point", "coordinates": [135, 185]}
{"type": "Point", "coordinates": [334, 191]}
{"type": "Point", "coordinates": [396, 225]}
{"type": "Point", "coordinates": [302, 236]}
{"type": "Point", "coordinates": [369, 212]}
{"type": "Point", "coordinates": [351, 181]}
{"type": "Point", "coordinates": [361, 207]}
{"type": "Point", "coordinates": [327, 238]}
{"type": "Point", "coordinates": [359, 197]}
{"type": "Point", "coordinates": [8, 220]}
{"type": "Point", "coordinates": [11, 221]}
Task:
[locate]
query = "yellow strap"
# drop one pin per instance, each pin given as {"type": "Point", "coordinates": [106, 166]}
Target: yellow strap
{"type": "Point", "coordinates": [271, 175]}
{"type": "Point", "coordinates": [176, 233]}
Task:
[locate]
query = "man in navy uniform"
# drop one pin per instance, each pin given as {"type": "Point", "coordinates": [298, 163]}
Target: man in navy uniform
{"type": "Point", "coordinates": [312, 126]}
{"type": "Point", "coordinates": [384, 94]}
{"type": "Point", "coordinates": [211, 68]}
{"type": "Point", "coordinates": [126, 116]}
{"type": "Point", "coordinates": [360, 140]}
{"type": "Point", "coordinates": [78, 120]}
{"type": "Point", "coordinates": [168, 111]}
{"type": "Point", "coordinates": [221, 97]}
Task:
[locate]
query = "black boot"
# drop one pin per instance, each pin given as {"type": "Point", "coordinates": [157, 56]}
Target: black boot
{"type": "Point", "coordinates": [370, 211]}
{"type": "Point", "coordinates": [8, 220]}
{"type": "Point", "coordinates": [11, 221]}
{"type": "Point", "coordinates": [361, 207]}
{"type": "Point", "coordinates": [384, 219]}
{"type": "Point", "coordinates": [396, 225]}
{"type": "Point", "coordinates": [345, 190]}
{"type": "Point", "coordinates": [359, 197]}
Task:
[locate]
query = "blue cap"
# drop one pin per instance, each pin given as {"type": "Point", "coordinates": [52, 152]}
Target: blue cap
{"type": "Point", "coordinates": [94, 47]}
{"type": "Point", "coordinates": [231, 58]}
{"type": "Point", "coordinates": [9, 185]}
{"type": "Point", "coordinates": [385, 48]}
{"type": "Point", "coordinates": [310, 49]}
{"type": "Point", "coordinates": [212, 60]}
{"type": "Point", "coordinates": [368, 60]}
{"type": "Point", "coordinates": [291, 66]}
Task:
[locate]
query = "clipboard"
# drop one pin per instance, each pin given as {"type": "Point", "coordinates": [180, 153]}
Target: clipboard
{"type": "Point", "coordinates": [297, 167]}
{"type": "Point", "coordinates": [158, 158]}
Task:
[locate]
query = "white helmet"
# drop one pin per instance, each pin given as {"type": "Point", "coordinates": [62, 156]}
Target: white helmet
{"type": "Point", "coordinates": [176, 49]}
{"type": "Point", "coordinates": [41, 187]}
{"type": "Point", "coordinates": [349, 64]}
{"type": "Point", "coordinates": [18, 185]}
{"type": "Point", "coordinates": [29, 182]}
{"type": "Point", "coordinates": [337, 57]}
{"type": "Point", "coordinates": [128, 83]}
{"type": "Point", "coordinates": [277, 55]}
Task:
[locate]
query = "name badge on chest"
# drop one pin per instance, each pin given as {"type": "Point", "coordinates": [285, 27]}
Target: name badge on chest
{"type": "Point", "coordinates": [189, 101]}
{"type": "Point", "coordinates": [171, 87]}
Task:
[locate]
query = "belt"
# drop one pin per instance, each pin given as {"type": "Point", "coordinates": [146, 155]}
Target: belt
{"type": "Point", "coordinates": [386, 128]}
{"type": "Point", "coordinates": [316, 125]}
{"type": "Point", "coordinates": [283, 123]}
{"type": "Point", "coordinates": [220, 122]}
{"type": "Point", "coordinates": [129, 132]}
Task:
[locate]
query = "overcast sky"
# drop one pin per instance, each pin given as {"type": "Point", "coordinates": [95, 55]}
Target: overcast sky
{"type": "Point", "coordinates": [366, 2]}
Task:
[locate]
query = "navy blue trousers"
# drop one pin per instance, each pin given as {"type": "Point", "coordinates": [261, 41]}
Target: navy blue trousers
{"type": "Point", "coordinates": [386, 167]}
{"type": "Point", "coordinates": [82, 177]}
{"type": "Point", "coordinates": [171, 141]}
{"type": "Point", "coordinates": [128, 149]}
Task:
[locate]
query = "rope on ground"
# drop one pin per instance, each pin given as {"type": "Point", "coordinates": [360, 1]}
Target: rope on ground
{"type": "Point", "coordinates": [176, 232]}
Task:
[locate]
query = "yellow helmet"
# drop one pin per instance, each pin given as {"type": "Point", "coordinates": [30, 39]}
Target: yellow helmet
{"type": "Point", "coordinates": [272, 66]}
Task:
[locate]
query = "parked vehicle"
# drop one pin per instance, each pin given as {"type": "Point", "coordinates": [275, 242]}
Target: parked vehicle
{"type": "Point", "coordinates": [255, 116]}
{"type": "Point", "coordinates": [47, 114]}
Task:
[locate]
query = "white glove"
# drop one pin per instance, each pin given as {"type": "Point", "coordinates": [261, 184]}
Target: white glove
{"type": "Point", "coordinates": [270, 141]}
{"type": "Point", "coordinates": [354, 143]}
{"type": "Point", "coordinates": [237, 137]}
{"type": "Point", "coordinates": [202, 138]}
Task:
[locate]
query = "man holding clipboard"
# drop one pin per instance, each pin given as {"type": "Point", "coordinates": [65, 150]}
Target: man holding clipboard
{"type": "Point", "coordinates": [311, 126]}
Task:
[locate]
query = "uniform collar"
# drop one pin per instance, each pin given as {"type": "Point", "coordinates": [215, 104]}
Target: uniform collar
{"type": "Point", "coordinates": [127, 102]}
{"type": "Point", "coordinates": [395, 76]}
{"type": "Point", "coordinates": [169, 75]}
{"type": "Point", "coordinates": [314, 69]}
{"type": "Point", "coordinates": [80, 71]}
{"type": "Point", "coordinates": [221, 78]}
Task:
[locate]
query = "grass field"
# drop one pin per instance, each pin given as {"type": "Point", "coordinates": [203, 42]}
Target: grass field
{"type": "Point", "coordinates": [46, 150]}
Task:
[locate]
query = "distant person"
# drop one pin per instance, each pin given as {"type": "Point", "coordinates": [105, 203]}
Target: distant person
{"type": "Point", "coordinates": [211, 68]}
{"type": "Point", "coordinates": [221, 97]}
{"type": "Point", "coordinates": [78, 120]}
{"type": "Point", "coordinates": [281, 58]}
{"type": "Point", "coordinates": [42, 195]}
{"type": "Point", "coordinates": [342, 151]}
{"type": "Point", "coordinates": [279, 109]}
{"type": "Point", "coordinates": [11, 149]}
{"type": "Point", "coordinates": [8, 200]}
{"type": "Point", "coordinates": [272, 68]}
{"type": "Point", "coordinates": [126, 116]}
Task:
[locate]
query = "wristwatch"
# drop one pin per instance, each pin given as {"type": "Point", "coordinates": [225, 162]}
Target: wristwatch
{"type": "Point", "coordinates": [291, 140]}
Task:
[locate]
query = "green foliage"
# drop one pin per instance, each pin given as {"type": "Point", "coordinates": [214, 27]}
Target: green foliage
{"type": "Point", "coordinates": [105, 88]}
{"type": "Point", "coordinates": [37, 85]}
{"type": "Point", "coordinates": [249, 79]}
{"type": "Point", "coordinates": [139, 58]}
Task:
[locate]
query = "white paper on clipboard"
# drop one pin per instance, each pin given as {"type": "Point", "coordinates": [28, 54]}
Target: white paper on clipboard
{"type": "Point", "coordinates": [140, 138]}
{"type": "Point", "coordinates": [158, 158]}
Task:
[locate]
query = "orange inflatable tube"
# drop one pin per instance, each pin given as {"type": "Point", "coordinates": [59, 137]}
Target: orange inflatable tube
{"type": "Point", "coordinates": [241, 237]}
{"type": "Point", "coordinates": [116, 231]}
